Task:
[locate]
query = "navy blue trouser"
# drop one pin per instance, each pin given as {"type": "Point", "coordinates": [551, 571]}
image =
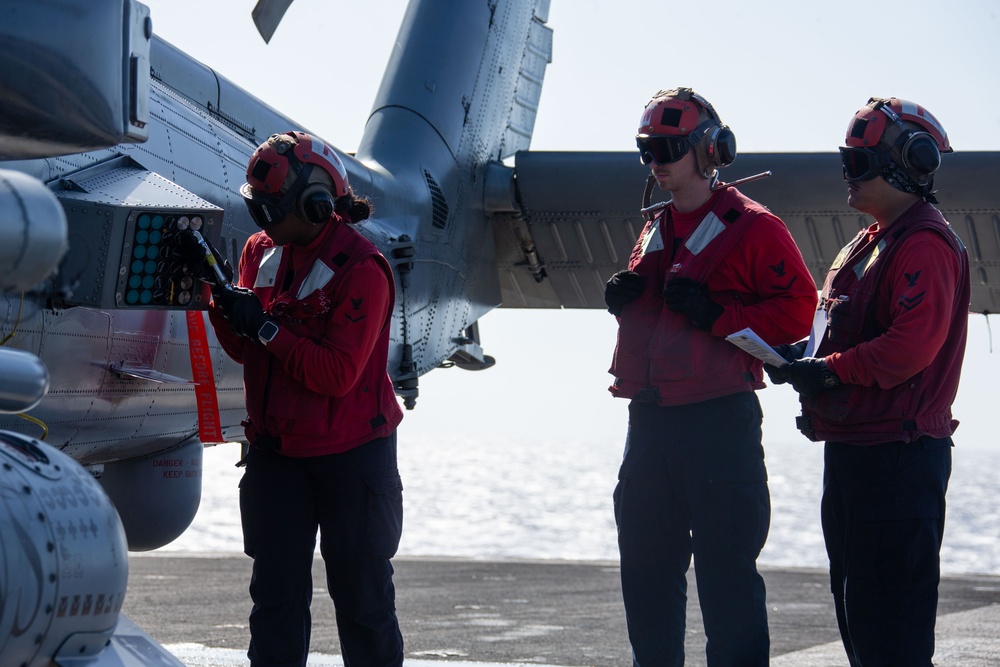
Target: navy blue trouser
{"type": "Point", "coordinates": [693, 482]}
{"type": "Point", "coordinates": [883, 515]}
{"type": "Point", "coordinates": [355, 500]}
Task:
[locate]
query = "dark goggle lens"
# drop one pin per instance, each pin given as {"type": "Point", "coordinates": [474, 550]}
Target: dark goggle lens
{"type": "Point", "coordinates": [861, 164]}
{"type": "Point", "coordinates": [265, 213]}
{"type": "Point", "coordinates": [661, 150]}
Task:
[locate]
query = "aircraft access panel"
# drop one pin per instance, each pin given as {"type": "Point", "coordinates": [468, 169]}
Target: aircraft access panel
{"type": "Point", "coordinates": [125, 226]}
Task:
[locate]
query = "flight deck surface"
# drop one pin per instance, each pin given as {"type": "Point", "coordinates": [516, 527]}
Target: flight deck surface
{"type": "Point", "coordinates": [542, 612]}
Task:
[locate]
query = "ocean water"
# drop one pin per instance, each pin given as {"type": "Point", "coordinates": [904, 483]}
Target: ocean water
{"type": "Point", "coordinates": [494, 497]}
{"type": "Point", "coordinates": [520, 461]}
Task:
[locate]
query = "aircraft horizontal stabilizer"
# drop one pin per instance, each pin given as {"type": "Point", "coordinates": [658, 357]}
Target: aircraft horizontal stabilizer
{"type": "Point", "coordinates": [580, 219]}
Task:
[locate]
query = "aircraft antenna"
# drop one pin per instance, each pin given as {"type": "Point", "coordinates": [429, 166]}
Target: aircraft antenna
{"type": "Point", "coordinates": [649, 212]}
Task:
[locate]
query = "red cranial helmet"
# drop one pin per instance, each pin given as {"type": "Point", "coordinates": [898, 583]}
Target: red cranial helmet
{"type": "Point", "coordinates": [677, 120]}
{"type": "Point", "coordinates": [902, 132]}
{"type": "Point", "coordinates": [278, 179]}
{"type": "Point", "coordinates": [676, 113]}
{"type": "Point", "coordinates": [270, 163]}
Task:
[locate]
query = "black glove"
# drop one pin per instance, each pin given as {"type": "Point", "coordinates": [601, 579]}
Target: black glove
{"type": "Point", "coordinates": [810, 376]}
{"type": "Point", "coordinates": [792, 352]}
{"type": "Point", "coordinates": [243, 310]}
{"type": "Point", "coordinates": [690, 297]}
{"type": "Point", "coordinates": [623, 288]}
{"type": "Point", "coordinates": [193, 254]}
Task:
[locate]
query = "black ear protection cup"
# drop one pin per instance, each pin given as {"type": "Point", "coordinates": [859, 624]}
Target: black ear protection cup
{"type": "Point", "coordinates": [717, 142]}
{"type": "Point", "coordinates": [315, 203]}
{"type": "Point", "coordinates": [312, 201]}
{"type": "Point", "coordinates": [920, 153]}
{"type": "Point", "coordinates": [916, 149]}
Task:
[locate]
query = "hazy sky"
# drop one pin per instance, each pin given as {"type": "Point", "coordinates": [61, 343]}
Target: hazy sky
{"type": "Point", "coordinates": [787, 76]}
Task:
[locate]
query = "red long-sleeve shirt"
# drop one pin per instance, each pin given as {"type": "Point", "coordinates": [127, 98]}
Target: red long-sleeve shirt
{"type": "Point", "coordinates": [321, 384]}
{"type": "Point", "coordinates": [897, 304]}
{"type": "Point", "coordinates": [913, 308]}
{"type": "Point", "coordinates": [765, 262]}
{"type": "Point", "coordinates": [751, 267]}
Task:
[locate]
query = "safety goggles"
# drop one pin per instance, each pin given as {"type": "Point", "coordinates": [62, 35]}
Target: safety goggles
{"type": "Point", "coordinates": [863, 164]}
{"type": "Point", "coordinates": [265, 210]}
{"type": "Point", "coordinates": [662, 149]}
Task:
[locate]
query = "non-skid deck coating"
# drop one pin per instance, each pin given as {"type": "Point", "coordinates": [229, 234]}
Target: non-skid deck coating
{"type": "Point", "coordinates": [515, 611]}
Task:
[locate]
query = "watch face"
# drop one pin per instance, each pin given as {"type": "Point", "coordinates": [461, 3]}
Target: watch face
{"type": "Point", "coordinates": [267, 332]}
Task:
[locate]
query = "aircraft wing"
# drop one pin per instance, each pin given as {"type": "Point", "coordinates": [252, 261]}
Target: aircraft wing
{"type": "Point", "coordinates": [580, 219]}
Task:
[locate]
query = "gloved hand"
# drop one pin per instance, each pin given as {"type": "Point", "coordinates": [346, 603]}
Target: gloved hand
{"type": "Point", "coordinates": [792, 352]}
{"type": "Point", "coordinates": [690, 297]}
{"type": "Point", "coordinates": [623, 288]}
{"type": "Point", "coordinates": [243, 310]}
{"type": "Point", "coordinates": [810, 376]}
{"type": "Point", "coordinates": [193, 254]}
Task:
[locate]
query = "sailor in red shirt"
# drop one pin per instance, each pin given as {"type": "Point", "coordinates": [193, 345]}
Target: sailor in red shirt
{"type": "Point", "coordinates": [310, 324]}
{"type": "Point", "coordinates": [880, 388]}
{"type": "Point", "coordinates": [693, 480]}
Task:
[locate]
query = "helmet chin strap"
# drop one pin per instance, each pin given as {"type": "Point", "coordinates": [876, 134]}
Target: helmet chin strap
{"type": "Point", "coordinates": [647, 193]}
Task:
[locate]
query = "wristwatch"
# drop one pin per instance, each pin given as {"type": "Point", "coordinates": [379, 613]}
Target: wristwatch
{"type": "Point", "coordinates": [827, 377]}
{"type": "Point", "coordinates": [267, 332]}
